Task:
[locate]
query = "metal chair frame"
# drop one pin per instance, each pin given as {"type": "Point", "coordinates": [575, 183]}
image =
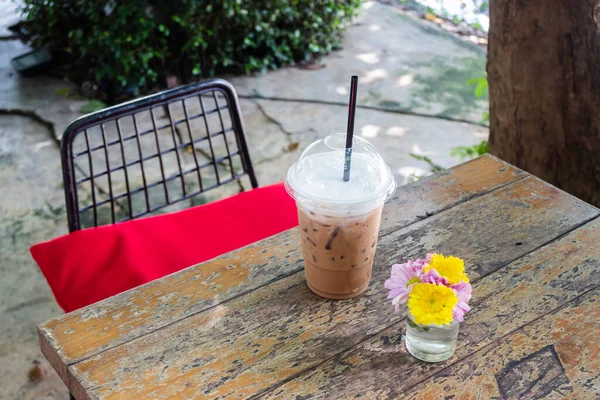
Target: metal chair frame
{"type": "Point", "coordinates": [150, 103]}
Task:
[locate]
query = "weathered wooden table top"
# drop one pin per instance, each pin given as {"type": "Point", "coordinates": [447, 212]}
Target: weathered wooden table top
{"type": "Point", "coordinates": [246, 325]}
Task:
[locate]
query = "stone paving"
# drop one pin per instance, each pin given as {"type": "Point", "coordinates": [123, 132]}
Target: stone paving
{"type": "Point", "coordinates": [412, 86]}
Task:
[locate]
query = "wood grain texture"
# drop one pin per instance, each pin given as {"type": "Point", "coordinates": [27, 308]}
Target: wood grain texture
{"type": "Point", "coordinates": [96, 328]}
{"type": "Point", "coordinates": [159, 303]}
{"type": "Point", "coordinates": [254, 342]}
{"type": "Point", "coordinates": [504, 301]}
{"type": "Point", "coordinates": [438, 192]}
{"type": "Point", "coordinates": [556, 357]}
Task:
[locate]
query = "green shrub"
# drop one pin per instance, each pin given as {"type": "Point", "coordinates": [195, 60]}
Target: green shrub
{"type": "Point", "coordinates": [136, 43]}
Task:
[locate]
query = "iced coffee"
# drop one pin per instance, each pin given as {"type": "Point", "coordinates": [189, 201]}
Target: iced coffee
{"type": "Point", "coordinates": [338, 251]}
{"type": "Point", "coordinates": [339, 221]}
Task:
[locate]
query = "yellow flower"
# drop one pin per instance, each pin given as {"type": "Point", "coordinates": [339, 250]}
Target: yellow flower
{"type": "Point", "coordinates": [430, 304]}
{"type": "Point", "coordinates": [452, 268]}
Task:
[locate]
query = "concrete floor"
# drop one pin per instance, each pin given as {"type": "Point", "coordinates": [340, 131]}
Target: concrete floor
{"type": "Point", "coordinates": [404, 65]}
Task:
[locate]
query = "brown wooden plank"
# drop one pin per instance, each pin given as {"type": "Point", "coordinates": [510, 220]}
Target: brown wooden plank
{"type": "Point", "coordinates": [502, 302]}
{"type": "Point", "coordinates": [132, 314]}
{"type": "Point", "coordinates": [554, 357]}
{"type": "Point", "coordinates": [250, 343]}
{"type": "Point", "coordinates": [438, 192]}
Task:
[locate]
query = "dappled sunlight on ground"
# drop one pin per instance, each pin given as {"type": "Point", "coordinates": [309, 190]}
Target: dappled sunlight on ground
{"type": "Point", "coordinates": [368, 4]}
{"type": "Point", "coordinates": [369, 58]}
{"type": "Point", "coordinates": [374, 75]}
{"type": "Point", "coordinates": [409, 174]}
{"type": "Point", "coordinates": [341, 90]}
{"type": "Point", "coordinates": [402, 64]}
{"type": "Point", "coordinates": [483, 135]}
{"type": "Point", "coordinates": [369, 131]}
{"type": "Point", "coordinates": [396, 131]}
{"type": "Point", "coordinates": [416, 149]}
{"type": "Point", "coordinates": [405, 80]}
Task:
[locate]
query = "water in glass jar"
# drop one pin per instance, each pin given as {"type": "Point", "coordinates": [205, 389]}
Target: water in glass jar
{"type": "Point", "coordinates": [431, 343]}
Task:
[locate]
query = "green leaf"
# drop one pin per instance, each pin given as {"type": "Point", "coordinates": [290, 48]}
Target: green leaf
{"type": "Point", "coordinates": [419, 328]}
{"type": "Point", "coordinates": [469, 152]}
{"type": "Point", "coordinates": [414, 177]}
{"type": "Point", "coordinates": [481, 86]}
{"type": "Point", "coordinates": [481, 89]}
{"type": "Point", "coordinates": [474, 81]}
{"type": "Point", "coordinates": [477, 26]}
{"type": "Point", "coordinates": [92, 106]}
{"type": "Point", "coordinates": [433, 166]}
{"type": "Point", "coordinates": [163, 29]}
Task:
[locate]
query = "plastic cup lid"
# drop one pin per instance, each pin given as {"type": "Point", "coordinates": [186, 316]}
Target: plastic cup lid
{"type": "Point", "coordinates": [317, 176]}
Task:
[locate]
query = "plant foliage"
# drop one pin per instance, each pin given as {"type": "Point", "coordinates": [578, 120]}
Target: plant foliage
{"type": "Point", "coordinates": [134, 43]}
{"type": "Point", "coordinates": [481, 90]}
{"type": "Point", "coordinates": [469, 152]}
{"type": "Point", "coordinates": [433, 167]}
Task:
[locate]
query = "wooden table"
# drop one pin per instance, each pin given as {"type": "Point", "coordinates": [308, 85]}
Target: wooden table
{"type": "Point", "coordinates": [246, 325]}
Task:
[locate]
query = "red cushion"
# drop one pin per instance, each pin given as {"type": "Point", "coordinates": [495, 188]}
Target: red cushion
{"type": "Point", "coordinates": [92, 264]}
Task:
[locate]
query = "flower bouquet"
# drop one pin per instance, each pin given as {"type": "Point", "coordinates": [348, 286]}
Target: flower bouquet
{"type": "Point", "coordinates": [437, 292]}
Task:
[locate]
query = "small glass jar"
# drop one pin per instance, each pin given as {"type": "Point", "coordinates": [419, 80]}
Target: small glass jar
{"type": "Point", "coordinates": [431, 343]}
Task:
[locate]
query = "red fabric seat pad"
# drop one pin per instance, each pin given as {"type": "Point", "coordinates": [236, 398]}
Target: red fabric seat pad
{"type": "Point", "coordinates": [90, 265]}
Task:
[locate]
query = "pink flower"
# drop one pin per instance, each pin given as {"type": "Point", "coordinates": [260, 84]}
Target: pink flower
{"type": "Point", "coordinates": [422, 262]}
{"type": "Point", "coordinates": [463, 291]}
{"type": "Point", "coordinates": [402, 278]}
{"type": "Point", "coordinates": [432, 276]}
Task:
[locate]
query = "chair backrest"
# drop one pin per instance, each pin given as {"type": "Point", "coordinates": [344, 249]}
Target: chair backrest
{"type": "Point", "coordinates": [138, 157]}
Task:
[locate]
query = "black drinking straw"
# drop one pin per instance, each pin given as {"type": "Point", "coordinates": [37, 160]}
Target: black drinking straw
{"type": "Point", "coordinates": [350, 130]}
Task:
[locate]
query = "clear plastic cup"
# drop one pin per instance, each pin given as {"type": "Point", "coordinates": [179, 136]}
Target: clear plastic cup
{"type": "Point", "coordinates": [339, 221]}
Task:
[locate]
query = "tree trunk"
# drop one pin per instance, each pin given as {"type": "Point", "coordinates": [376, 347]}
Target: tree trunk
{"type": "Point", "coordinates": [544, 84]}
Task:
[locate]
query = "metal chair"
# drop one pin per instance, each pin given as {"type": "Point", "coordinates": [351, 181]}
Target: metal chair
{"type": "Point", "coordinates": [193, 135]}
{"type": "Point", "coordinates": [136, 158]}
